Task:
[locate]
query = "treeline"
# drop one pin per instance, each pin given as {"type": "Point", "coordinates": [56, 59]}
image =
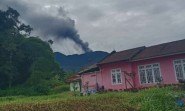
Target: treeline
{"type": "Point", "coordinates": [27, 63]}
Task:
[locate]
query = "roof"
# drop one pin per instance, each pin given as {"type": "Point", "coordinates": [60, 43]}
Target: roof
{"type": "Point", "coordinates": [140, 53]}
{"type": "Point", "coordinates": [165, 49]}
{"type": "Point", "coordinates": [122, 55]}
{"type": "Point", "coordinates": [90, 68]}
{"type": "Point", "coordinates": [73, 78]}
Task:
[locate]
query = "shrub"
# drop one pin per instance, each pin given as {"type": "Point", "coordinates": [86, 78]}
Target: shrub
{"type": "Point", "coordinates": [60, 89]}
{"type": "Point", "coordinates": [41, 89]}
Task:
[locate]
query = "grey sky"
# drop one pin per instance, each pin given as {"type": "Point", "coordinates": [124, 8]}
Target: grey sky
{"type": "Point", "coordinates": [105, 24]}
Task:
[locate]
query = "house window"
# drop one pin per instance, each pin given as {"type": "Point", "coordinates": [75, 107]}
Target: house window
{"type": "Point", "coordinates": [149, 73]}
{"type": "Point", "coordinates": [179, 66]}
{"type": "Point", "coordinates": [116, 76]}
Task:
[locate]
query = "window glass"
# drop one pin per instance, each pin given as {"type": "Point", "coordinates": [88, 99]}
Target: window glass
{"type": "Point", "coordinates": [142, 76]}
{"type": "Point", "coordinates": [179, 66]}
{"type": "Point", "coordinates": [116, 76]}
{"type": "Point", "coordinates": [149, 73]}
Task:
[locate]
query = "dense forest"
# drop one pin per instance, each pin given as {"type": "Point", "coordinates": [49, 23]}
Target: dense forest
{"type": "Point", "coordinates": [27, 64]}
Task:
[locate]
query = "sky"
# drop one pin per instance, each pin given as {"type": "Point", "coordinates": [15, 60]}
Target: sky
{"type": "Point", "coordinates": [79, 26]}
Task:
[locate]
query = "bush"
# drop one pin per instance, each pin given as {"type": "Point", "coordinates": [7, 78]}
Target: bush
{"type": "Point", "coordinates": [41, 89]}
{"type": "Point", "coordinates": [25, 90]}
{"type": "Point", "coordinates": [60, 89]}
{"type": "Point", "coordinates": [15, 91]}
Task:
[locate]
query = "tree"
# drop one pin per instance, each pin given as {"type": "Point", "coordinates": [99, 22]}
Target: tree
{"type": "Point", "coordinates": [9, 47]}
{"type": "Point", "coordinates": [10, 23]}
{"type": "Point", "coordinates": [50, 42]}
{"type": "Point", "coordinates": [11, 28]}
{"type": "Point", "coordinates": [23, 59]}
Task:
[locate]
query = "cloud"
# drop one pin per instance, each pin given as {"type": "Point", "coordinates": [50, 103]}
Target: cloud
{"type": "Point", "coordinates": [127, 24]}
{"type": "Point", "coordinates": [109, 24]}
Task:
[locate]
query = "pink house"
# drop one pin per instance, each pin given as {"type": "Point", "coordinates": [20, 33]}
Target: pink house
{"type": "Point", "coordinates": [91, 77]}
{"type": "Point", "coordinates": [138, 67]}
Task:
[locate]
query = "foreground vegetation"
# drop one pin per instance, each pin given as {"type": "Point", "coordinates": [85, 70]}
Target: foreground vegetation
{"type": "Point", "coordinates": [155, 99]}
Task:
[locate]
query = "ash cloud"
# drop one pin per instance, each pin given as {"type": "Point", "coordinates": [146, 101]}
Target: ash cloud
{"type": "Point", "coordinates": [58, 26]}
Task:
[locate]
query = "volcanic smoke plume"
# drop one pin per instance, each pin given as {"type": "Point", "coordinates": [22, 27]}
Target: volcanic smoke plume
{"type": "Point", "coordinates": [59, 28]}
{"type": "Point", "coordinates": [47, 25]}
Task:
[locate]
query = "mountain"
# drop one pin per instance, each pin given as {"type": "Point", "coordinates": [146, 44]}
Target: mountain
{"type": "Point", "coordinates": [77, 61]}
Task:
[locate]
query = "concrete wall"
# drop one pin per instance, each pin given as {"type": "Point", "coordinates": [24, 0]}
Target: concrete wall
{"type": "Point", "coordinates": [107, 76]}
{"type": "Point", "coordinates": [92, 78]}
{"type": "Point", "coordinates": [166, 66]}
{"type": "Point", "coordinates": [75, 85]}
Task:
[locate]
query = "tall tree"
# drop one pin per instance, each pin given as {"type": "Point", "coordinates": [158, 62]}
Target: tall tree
{"type": "Point", "coordinates": [10, 23]}
{"type": "Point", "coordinates": [23, 59]}
{"type": "Point", "coordinates": [10, 28]}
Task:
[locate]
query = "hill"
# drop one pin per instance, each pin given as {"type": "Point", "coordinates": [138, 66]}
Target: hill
{"type": "Point", "coordinates": [77, 61]}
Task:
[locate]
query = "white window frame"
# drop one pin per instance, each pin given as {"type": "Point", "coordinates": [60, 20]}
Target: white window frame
{"type": "Point", "coordinates": [116, 77]}
{"type": "Point", "coordinates": [146, 74]}
{"type": "Point", "coordinates": [183, 68]}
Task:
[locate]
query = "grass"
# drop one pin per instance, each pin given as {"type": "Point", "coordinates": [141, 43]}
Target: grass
{"type": "Point", "coordinates": [154, 99]}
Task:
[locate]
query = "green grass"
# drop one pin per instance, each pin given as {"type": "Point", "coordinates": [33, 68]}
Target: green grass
{"type": "Point", "coordinates": [154, 99]}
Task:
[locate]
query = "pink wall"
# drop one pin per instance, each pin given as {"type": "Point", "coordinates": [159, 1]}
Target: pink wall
{"type": "Point", "coordinates": [92, 78]}
{"type": "Point", "coordinates": [166, 66]}
{"type": "Point", "coordinates": [106, 75]}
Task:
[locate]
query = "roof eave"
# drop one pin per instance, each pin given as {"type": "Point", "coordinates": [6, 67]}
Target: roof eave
{"type": "Point", "coordinates": [89, 70]}
{"type": "Point", "coordinates": [114, 62]}
{"type": "Point", "coordinates": [152, 57]}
